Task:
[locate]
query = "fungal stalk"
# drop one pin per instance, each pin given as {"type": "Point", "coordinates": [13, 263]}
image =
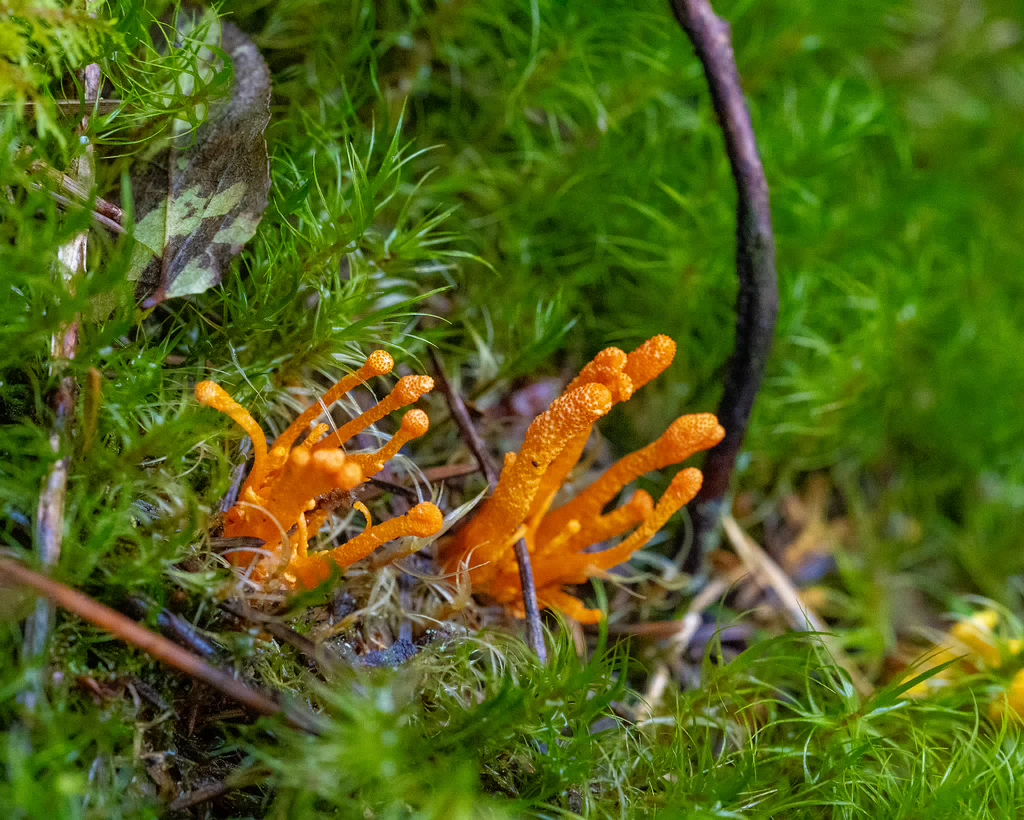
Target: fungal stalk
{"type": "Point", "coordinates": [278, 504]}
{"type": "Point", "coordinates": [561, 541]}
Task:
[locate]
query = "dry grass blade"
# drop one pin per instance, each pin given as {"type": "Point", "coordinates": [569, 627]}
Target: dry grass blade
{"type": "Point", "coordinates": [769, 574]}
{"type": "Point", "coordinates": [72, 259]}
{"type": "Point", "coordinates": [150, 642]}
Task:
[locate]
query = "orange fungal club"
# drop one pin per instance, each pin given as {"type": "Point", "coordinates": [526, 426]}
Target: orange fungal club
{"type": "Point", "coordinates": [278, 502]}
{"type": "Point", "coordinates": [560, 540]}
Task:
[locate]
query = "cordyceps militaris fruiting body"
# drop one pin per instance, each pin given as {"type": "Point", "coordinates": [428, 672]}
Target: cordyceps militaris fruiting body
{"type": "Point", "coordinates": [559, 539]}
{"type": "Point", "coordinates": [278, 502]}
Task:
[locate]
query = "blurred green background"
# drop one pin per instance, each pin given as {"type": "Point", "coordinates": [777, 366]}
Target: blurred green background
{"type": "Point", "coordinates": [578, 141]}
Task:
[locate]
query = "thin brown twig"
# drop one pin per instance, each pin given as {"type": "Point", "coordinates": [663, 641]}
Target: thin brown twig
{"type": "Point", "coordinates": [385, 486]}
{"type": "Point", "coordinates": [758, 301]}
{"type": "Point", "coordinates": [148, 641]}
{"type": "Point", "coordinates": [534, 630]}
{"type": "Point", "coordinates": [460, 414]}
{"type": "Point", "coordinates": [680, 631]}
{"type": "Point", "coordinates": [375, 487]}
{"type": "Point", "coordinates": [204, 794]}
{"type": "Point", "coordinates": [447, 471]}
{"type": "Point", "coordinates": [211, 791]}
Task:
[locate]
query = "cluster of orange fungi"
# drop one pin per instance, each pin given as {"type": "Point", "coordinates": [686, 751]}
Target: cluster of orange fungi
{"type": "Point", "coordinates": [559, 539]}
{"type": "Point", "coordinates": [278, 502]}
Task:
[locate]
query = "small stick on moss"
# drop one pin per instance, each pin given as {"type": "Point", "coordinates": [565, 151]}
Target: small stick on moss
{"type": "Point", "coordinates": [204, 794]}
{"type": "Point", "coordinates": [457, 407]}
{"type": "Point", "coordinates": [757, 304]}
{"type": "Point", "coordinates": [71, 258]}
{"type": "Point", "coordinates": [150, 642]}
{"type": "Point", "coordinates": [534, 630]}
{"type": "Point", "coordinates": [211, 791]}
{"type": "Point", "coordinates": [460, 414]}
{"type": "Point", "coordinates": [244, 612]}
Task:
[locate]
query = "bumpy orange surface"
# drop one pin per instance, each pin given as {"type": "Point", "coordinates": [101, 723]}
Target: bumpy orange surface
{"type": "Point", "coordinates": [277, 503]}
{"type": "Point", "coordinates": [559, 540]}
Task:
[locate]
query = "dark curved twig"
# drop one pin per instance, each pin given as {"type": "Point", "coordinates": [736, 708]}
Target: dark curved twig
{"type": "Point", "coordinates": [204, 794]}
{"type": "Point", "coordinates": [758, 302]}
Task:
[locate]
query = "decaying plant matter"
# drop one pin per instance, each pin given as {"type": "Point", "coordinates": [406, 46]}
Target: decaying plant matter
{"type": "Point", "coordinates": [278, 502]}
{"type": "Point", "coordinates": [559, 540]}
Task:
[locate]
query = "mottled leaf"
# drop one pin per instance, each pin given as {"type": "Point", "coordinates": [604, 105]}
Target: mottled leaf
{"type": "Point", "coordinates": [200, 201]}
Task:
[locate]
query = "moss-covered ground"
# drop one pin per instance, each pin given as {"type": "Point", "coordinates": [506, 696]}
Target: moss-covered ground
{"type": "Point", "coordinates": [520, 184]}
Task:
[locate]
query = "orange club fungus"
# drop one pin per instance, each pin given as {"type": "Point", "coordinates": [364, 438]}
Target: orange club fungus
{"type": "Point", "coordinates": [560, 540]}
{"type": "Point", "coordinates": [278, 502]}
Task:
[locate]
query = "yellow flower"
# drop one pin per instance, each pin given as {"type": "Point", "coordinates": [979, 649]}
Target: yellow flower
{"type": "Point", "coordinates": [972, 644]}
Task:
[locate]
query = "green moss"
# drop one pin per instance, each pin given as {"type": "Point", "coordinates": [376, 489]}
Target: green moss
{"type": "Point", "coordinates": [581, 144]}
{"type": "Point", "coordinates": [549, 178]}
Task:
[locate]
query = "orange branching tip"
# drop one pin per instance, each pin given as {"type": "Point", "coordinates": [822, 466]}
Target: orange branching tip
{"type": "Point", "coordinates": [422, 521]}
{"type": "Point", "coordinates": [560, 540]}
{"type": "Point", "coordinates": [650, 360]}
{"type": "Point", "coordinates": [278, 502]}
